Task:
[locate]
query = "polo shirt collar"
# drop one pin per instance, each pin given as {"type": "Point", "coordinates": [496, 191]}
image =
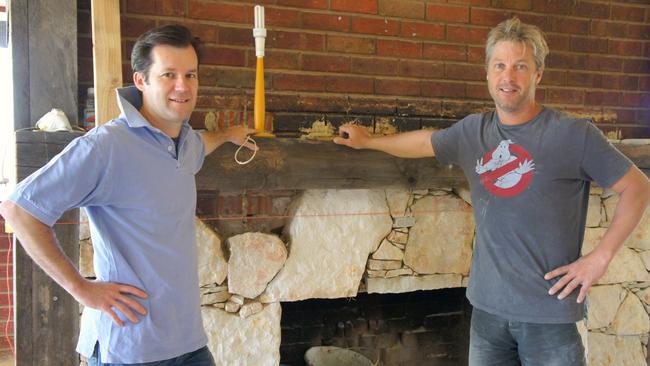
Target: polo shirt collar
{"type": "Point", "coordinates": [129, 99]}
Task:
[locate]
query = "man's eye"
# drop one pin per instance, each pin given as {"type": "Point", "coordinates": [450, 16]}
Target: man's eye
{"type": "Point", "coordinates": [191, 76]}
{"type": "Point", "coordinates": [167, 75]}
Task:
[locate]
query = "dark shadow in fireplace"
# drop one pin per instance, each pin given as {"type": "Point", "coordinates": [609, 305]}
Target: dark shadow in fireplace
{"type": "Point", "coordinates": [415, 328]}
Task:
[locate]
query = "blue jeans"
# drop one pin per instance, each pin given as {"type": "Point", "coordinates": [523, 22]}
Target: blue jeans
{"type": "Point", "coordinates": [495, 341]}
{"type": "Point", "coordinates": [200, 357]}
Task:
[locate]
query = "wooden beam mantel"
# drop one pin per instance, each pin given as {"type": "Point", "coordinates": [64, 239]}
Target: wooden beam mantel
{"type": "Point", "coordinates": [302, 164]}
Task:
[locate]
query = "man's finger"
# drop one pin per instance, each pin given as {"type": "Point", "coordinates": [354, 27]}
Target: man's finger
{"type": "Point", "coordinates": [560, 284]}
{"type": "Point", "coordinates": [133, 304]}
{"type": "Point", "coordinates": [126, 311]}
{"type": "Point", "coordinates": [132, 290]}
{"type": "Point", "coordinates": [556, 272]}
{"type": "Point", "coordinates": [116, 318]}
{"type": "Point", "coordinates": [568, 289]}
{"type": "Point", "coordinates": [583, 294]}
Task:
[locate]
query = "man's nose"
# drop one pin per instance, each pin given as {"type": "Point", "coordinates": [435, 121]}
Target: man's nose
{"type": "Point", "coordinates": [181, 83]}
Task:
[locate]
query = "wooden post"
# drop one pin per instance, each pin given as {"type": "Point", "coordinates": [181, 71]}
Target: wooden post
{"type": "Point", "coordinates": [107, 58]}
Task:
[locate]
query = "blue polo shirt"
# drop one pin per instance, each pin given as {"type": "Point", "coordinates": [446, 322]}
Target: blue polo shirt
{"type": "Point", "coordinates": [140, 195]}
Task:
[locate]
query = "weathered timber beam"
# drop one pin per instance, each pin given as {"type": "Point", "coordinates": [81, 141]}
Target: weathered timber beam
{"type": "Point", "coordinates": [302, 164]}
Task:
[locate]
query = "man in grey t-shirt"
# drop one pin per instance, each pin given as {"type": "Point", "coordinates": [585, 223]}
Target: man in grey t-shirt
{"type": "Point", "coordinates": [529, 170]}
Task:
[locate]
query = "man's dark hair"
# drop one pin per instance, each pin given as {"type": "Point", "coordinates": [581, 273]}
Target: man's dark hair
{"type": "Point", "coordinates": [171, 35]}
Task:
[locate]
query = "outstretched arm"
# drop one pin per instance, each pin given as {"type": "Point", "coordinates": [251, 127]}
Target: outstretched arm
{"type": "Point", "coordinates": [236, 134]}
{"type": "Point", "coordinates": [39, 242]}
{"type": "Point", "coordinates": [634, 191]}
{"type": "Point", "coordinates": [413, 144]}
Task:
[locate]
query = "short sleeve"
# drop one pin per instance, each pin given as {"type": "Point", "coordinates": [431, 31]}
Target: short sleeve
{"type": "Point", "coordinates": [198, 149]}
{"type": "Point", "coordinates": [446, 144]}
{"type": "Point", "coordinates": [76, 177]}
{"type": "Point", "coordinates": [601, 161]}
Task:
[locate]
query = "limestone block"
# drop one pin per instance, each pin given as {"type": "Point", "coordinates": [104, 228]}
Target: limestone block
{"type": "Point", "coordinates": [631, 317]}
{"type": "Point", "coordinates": [213, 267]}
{"type": "Point", "coordinates": [378, 265]}
{"type": "Point", "coordinates": [237, 299]}
{"type": "Point", "coordinates": [211, 298]}
{"type": "Point", "coordinates": [465, 282]}
{"type": "Point", "coordinates": [398, 237]}
{"type": "Point", "coordinates": [399, 272]}
{"type": "Point", "coordinates": [376, 273]}
{"type": "Point", "coordinates": [398, 200]}
{"type": "Point", "coordinates": [413, 283]}
{"type": "Point", "coordinates": [328, 247]}
{"type": "Point", "coordinates": [84, 225]}
{"type": "Point", "coordinates": [640, 237]}
{"type": "Point", "coordinates": [237, 341]}
{"type": "Point", "coordinates": [250, 308]}
{"type": "Point", "coordinates": [441, 240]}
{"type": "Point", "coordinates": [604, 301]}
{"type": "Point", "coordinates": [594, 211]}
{"type": "Point", "coordinates": [611, 350]}
{"type": "Point", "coordinates": [232, 307]}
{"type": "Point", "coordinates": [86, 253]}
{"type": "Point", "coordinates": [596, 190]}
{"type": "Point", "coordinates": [388, 251]}
{"type": "Point", "coordinates": [644, 295]}
{"type": "Point", "coordinates": [255, 258]}
{"type": "Point", "coordinates": [626, 265]}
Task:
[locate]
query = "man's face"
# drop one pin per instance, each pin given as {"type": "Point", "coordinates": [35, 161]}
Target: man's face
{"type": "Point", "coordinates": [512, 77]}
{"type": "Point", "coordinates": [169, 94]}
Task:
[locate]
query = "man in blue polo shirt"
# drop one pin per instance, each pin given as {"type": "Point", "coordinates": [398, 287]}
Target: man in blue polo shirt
{"type": "Point", "coordinates": [135, 177]}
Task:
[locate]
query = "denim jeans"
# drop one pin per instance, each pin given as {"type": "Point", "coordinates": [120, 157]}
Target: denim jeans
{"type": "Point", "coordinates": [200, 357]}
{"type": "Point", "coordinates": [495, 341]}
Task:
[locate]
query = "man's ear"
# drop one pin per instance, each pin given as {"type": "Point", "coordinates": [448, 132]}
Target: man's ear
{"type": "Point", "coordinates": [139, 80]}
{"type": "Point", "coordinates": [538, 78]}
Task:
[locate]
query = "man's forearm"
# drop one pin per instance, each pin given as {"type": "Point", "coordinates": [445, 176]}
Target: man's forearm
{"type": "Point", "coordinates": [41, 245]}
{"type": "Point", "coordinates": [412, 144]}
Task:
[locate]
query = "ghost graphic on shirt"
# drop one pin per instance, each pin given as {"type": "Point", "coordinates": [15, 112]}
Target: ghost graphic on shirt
{"type": "Point", "coordinates": [506, 170]}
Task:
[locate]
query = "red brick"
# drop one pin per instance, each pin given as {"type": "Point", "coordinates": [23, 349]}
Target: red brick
{"type": "Point", "coordinates": [275, 59]}
{"type": "Point", "coordinates": [602, 98]}
{"type": "Point", "coordinates": [465, 72]}
{"type": "Point", "coordinates": [422, 30]}
{"type": "Point", "coordinates": [564, 96]}
{"type": "Point", "coordinates": [563, 60]}
{"type": "Point", "coordinates": [402, 8]}
{"type": "Point", "coordinates": [380, 26]}
{"type": "Point", "coordinates": [620, 82]}
{"type": "Point", "coordinates": [476, 91]}
{"type": "Point", "coordinates": [224, 56]}
{"type": "Point", "coordinates": [638, 31]}
{"type": "Point", "coordinates": [625, 48]}
{"type": "Point", "coordinates": [327, 63]}
{"type": "Point", "coordinates": [156, 7]}
{"type": "Point", "coordinates": [296, 41]}
{"type": "Point", "coordinates": [631, 99]}
{"type": "Point", "coordinates": [442, 89]}
{"type": "Point", "coordinates": [236, 36]}
{"type": "Point", "coordinates": [217, 11]}
{"type": "Point", "coordinates": [513, 4]}
{"type": "Point", "coordinates": [397, 87]}
{"type": "Point", "coordinates": [607, 29]}
{"type": "Point", "coordinates": [588, 44]}
{"type": "Point", "coordinates": [299, 82]}
{"type": "Point", "coordinates": [628, 13]}
{"type": "Point", "coordinates": [350, 44]}
{"type": "Point", "coordinates": [421, 69]}
{"type": "Point", "coordinates": [349, 84]}
{"type": "Point", "coordinates": [540, 20]}
{"type": "Point", "coordinates": [555, 7]}
{"type": "Point", "coordinates": [638, 66]}
{"type": "Point", "coordinates": [603, 63]}
{"type": "Point", "coordinates": [313, 4]}
{"type": "Point", "coordinates": [230, 205]}
{"type": "Point", "coordinates": [460, 109]}
{"type": "Point", "coordinates": [592, 10]}
{"type": "Point", "coordinates": [329, 22]}
{"type": "Point", "coordinates": [644, 83]}
{"type": "Point", "coordinates": [356, 6]}
{"type": "Point", "coordinates": [447, 13]}
{"type": "Point", "coordinates": [470, 35]}
{"type": "Point", "coordinates": [554, 77]}
{"type": "Point", "coordinates": [399, 48]}
{"type": "Point", "coordinates": [281, 18]}
{"type": "Point", "coordinates": [476, 55]}
{"type": "Point", "coordinates": [585, 79]}
{"type": "Point", "coordinates": [558, 42]}
{"type": "Point", "coordinates": [238, 78]}
{"type": "Point", "coordinates": [489, 17]}
{"type": "Point", "coordinates": [472, 2]}
{"type": "Point", "coordinates": [568, 25]}
{"type": "Point", "coordinates": [374, 66]}
{"type": "Point", "coordinates": [444, 52]}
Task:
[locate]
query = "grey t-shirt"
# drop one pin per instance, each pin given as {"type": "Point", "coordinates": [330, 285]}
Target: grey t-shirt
{"type": "Point", "coordinates": [530, 191]}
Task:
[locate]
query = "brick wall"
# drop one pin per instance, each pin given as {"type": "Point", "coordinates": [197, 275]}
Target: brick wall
{"type": "Point", "coordinates": [417, 328]}
{"type": "Point", "coordinates": [6, 293]}
{"type": "Point", "coordinates": [411, 59]}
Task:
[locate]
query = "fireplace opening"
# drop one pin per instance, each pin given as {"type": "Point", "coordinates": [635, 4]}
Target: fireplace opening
{"type": "Point", "coordinates": [415, 328]}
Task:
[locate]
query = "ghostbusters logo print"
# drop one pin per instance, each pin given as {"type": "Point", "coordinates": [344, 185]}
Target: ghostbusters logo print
{"type": "Point", "coordinates": [507, 170]}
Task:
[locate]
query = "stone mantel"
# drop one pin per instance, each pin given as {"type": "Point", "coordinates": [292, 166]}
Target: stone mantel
{"type": "Point", "coordinates": [283, 163]}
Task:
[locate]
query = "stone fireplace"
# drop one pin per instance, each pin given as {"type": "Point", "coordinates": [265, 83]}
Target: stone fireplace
{"type": "Point", "coordinates": [307, 251]}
